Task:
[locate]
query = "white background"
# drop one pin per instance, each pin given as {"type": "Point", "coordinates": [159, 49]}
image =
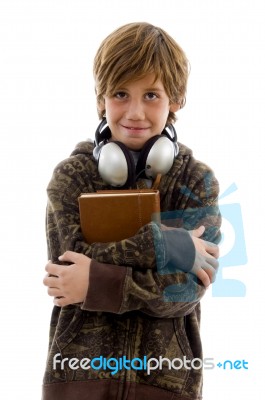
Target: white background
{"type": "Point", "coordinates": [47, 105]}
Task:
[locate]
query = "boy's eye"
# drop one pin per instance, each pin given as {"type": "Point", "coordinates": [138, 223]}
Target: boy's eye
{"type": "Point", "coordinates": [120, 95]}
{"type": "Point", "coordinates": [150, 96]}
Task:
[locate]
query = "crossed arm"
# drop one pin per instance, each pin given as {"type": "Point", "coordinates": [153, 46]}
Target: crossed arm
{"type": "Point", "coordinates": [70, 284]}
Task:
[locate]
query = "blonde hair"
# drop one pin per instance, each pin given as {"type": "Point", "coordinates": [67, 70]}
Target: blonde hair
{"type": "Point", "coordinates": [135, 50]}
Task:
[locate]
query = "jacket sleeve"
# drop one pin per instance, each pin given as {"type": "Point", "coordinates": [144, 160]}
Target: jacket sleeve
{"type": "Point", "coordinates": [118, 290]}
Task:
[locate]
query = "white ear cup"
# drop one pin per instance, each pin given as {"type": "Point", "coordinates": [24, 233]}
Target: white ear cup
{"type": "Point", "coordinates": [112, 165]}
{"type": "Point", "coordinates": [160, 156]}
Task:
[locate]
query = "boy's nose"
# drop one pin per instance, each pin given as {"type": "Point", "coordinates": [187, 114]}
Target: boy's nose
{"type": "Point", "coordinates": [135, 110]}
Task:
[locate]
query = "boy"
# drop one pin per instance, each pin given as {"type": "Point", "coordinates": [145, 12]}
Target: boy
{"type": "Point", "coordinates": [126, 319]}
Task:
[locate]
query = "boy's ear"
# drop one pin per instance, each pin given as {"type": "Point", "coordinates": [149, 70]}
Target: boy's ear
{"type": "Point", "coordinates": [174, 107]}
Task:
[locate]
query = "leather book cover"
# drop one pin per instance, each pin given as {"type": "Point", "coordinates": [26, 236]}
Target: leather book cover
{"type": "Point", "coordinates": [113, 215]}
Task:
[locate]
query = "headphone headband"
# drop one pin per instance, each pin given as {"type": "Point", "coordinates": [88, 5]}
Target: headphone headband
{"type": "Point", "coordinates": [103, 132]}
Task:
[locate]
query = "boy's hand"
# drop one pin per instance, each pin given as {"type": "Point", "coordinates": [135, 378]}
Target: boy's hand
{"type": "Point", "coordinates": [205, 264]}
{"type": "Point", "coordinates": [68, 284]}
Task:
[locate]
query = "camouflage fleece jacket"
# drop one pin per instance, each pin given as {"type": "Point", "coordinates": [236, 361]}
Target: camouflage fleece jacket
{"type": "Point", "coordinates": [133, 312]}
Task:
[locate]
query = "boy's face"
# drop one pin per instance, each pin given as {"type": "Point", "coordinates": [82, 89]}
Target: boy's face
{"type": "Point", "coordinates": [137, 111]}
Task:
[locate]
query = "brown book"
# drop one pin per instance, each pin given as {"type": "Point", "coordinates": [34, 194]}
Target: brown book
{"type": "Point", "coordinates": [113, 215]}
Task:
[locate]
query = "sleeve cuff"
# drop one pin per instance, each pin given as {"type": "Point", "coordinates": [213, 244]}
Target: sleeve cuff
{"type": "Point", "coordinates": [105, 287]}
{"type": "Point", "coordinates": [179, 249]}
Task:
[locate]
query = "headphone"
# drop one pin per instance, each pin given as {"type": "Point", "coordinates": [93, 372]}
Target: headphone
{"type": "Point", "coordinates": [115, 161]}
